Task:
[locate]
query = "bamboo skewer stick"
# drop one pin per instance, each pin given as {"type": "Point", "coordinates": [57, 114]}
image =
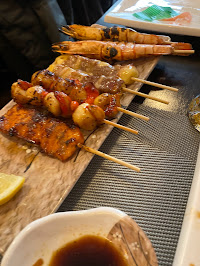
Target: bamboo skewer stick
{"type": "Point", "coordinates": [120, 126]}
{"type": "Point", "coordinates": [108, 157]}
{"type": "Point", "coordinates": [183, 51]}
{"type": "Point", "coordinates": [154, 84]}
{"type": "Point", "coordinates": [133, 114]}
{"type": "Point", "coordinates": [145, 95]}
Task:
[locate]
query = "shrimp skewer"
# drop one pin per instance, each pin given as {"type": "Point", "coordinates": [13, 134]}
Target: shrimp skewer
{"type": "Point", "coordinates": [115, 33]}
{"type": "Point", "coordinates": [117, 51]}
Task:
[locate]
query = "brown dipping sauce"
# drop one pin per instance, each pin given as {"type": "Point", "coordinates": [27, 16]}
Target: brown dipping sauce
{"type": "Point", "coordinates": [88, 250]}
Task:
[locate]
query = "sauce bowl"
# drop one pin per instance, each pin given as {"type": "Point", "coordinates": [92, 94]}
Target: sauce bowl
{"type": "Point", "coordinates": [37, 241]}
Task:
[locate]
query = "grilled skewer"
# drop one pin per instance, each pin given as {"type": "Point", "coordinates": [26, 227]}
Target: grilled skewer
{"type": "Point", "coordinates": [118, 51]}
{"type": "Point", "coordinates": [80, 92]}
{"type": "Point", "coordinates": [54, 137]}
{"type": "Point", "coordinates": [119, 34]}
{"type": "Point", "coordinates": [101, 74]}
{"type": "Point", "coordinates": [86, 116]}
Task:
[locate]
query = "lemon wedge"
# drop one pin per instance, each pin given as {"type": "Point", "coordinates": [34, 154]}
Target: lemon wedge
{"type": "Point", "coordinates": [9, 186]}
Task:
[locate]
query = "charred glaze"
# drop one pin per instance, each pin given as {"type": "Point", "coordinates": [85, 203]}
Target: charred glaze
{"type": "Point", "coordinates": [2, 118]}
{"type": "Point", "coordinates": [49, 133]}
{"type": "Point", "coordinates": [115, 31]}
{"type": "Point", "coordinates": [70, 141]}
{"type": "Point", "coordinates": [106, 32]}
{"type": "Point", "coordinates": [37, 73]}
{"type": "Point", "coordinates": [49, 130]}
{"type": "Point", "coordinates": [37, 117]}
{"type": "Point", "coordinates": [123, 29]}
{"type": "Point", "coordinates": [12, 131]}
{"type": "Point", "coordinates": [48, 73]}
{"type": "Point", "coordinates": [113, 52]}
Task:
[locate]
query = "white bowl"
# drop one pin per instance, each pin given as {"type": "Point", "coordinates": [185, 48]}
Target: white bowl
{"type": "Point", "coordinates": [40, 238]}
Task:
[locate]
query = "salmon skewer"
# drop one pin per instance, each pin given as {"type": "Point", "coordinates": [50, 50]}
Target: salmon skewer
{"type": "Point", "coordinates": [54, 137]}
{"type": "Point", "coordinates": [118, 51]}
{"type": "Point", "coordinates": [114, 34]}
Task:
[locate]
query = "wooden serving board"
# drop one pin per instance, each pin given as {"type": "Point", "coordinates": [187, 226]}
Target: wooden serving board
{"type": "Point", "coordinates": [48, 180]}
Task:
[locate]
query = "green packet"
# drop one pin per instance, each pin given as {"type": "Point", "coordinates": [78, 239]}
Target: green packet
{"type": "Point", "coordinates": [155, 12]}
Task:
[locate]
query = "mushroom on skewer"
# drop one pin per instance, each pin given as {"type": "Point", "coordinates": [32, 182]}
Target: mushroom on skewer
{"type": "Point", "coordinates": [80, 92]}
{"type": "Point", "coordinates": [58, 103]}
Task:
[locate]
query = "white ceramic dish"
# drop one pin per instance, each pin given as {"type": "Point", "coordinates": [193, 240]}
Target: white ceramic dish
{"type": "Point", "coordinates": [40, 238]}
{"type": "Point", "coordinates": [122, 14]}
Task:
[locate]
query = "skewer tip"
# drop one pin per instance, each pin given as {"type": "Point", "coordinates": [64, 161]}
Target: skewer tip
{"type": "Point", "coordinates": [184, 52]}
{"type": "Point", "coordinates": [108, 157]}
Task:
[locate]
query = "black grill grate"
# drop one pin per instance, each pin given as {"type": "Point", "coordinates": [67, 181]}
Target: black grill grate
{"type": "Point", "coordinates": [156, 198]}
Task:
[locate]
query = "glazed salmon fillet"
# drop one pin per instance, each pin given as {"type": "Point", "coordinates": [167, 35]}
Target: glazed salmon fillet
{"type": "Point", "coordinates": [54, 137]}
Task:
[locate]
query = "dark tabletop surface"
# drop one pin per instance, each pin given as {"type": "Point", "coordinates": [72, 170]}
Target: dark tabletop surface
{"type": "Point", "coordinates": [180, 72]}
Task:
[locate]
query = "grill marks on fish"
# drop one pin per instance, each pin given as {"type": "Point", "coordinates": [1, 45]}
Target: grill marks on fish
{"type": "Point", "coordinates": [54, 137]}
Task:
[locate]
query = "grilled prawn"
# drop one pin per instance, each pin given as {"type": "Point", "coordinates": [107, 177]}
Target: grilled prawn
{"type": "Point", "coordinates": [115, 33]}
{"type": "Point", "coordinates": [118, 51]}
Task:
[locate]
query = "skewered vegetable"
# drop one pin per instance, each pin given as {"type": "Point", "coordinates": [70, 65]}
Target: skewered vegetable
{"type": "Point", "coordinates": [58, 103]}
{"type": "Point", "coordinates": [86, 116]}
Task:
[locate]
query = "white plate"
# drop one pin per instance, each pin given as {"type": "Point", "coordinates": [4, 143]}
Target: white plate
{"type": "Point", "coordinates": [122, 14]}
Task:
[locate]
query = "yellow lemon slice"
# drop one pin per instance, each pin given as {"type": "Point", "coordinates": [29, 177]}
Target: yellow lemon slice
{"type": "Point", "coordinates": [9, 186]}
